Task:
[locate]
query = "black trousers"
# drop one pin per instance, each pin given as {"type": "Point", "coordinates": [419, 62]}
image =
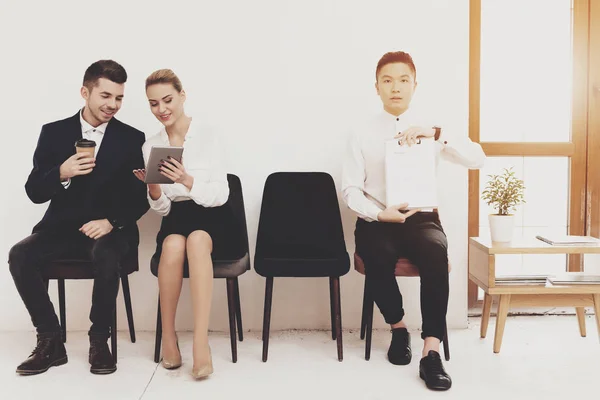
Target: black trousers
{"type": "Point", "coordinates": [29, 256]}
{"type": "Point", "coordinates": [421, 240]}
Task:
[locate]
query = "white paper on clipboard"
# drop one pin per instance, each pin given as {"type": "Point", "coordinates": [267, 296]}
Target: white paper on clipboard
{"type": "Point", "coordinates": [410, 174]}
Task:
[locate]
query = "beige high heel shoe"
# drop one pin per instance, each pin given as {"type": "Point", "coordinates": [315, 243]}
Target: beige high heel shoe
{"type": "Point", "coordinates": [173, 364]}
{"type": "Point", "coordinates": [204, 370]}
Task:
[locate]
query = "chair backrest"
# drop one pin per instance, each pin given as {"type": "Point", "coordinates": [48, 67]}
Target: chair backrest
{"type": "Point", "coordinates": [300, 214]}
{"type": "Point", "coordinates": [236, 202]}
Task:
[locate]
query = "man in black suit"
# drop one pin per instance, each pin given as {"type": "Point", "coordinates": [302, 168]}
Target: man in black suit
{"type": "Point", "coordinates": [95, 202]}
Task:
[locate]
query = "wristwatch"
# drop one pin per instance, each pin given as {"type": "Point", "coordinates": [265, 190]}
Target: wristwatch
{"type": "Point", "coordinates": [115, 223]}
{"type": "Point", "coordinates": [438, 132]}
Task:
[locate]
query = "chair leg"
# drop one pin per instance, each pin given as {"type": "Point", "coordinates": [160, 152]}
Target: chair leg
{"type": "Point", "coordinates": [238, 310]}
{"type": "Point", "coordinates": [339, 300]}
{"type": "Point", "coordinates": [62, 309]}
{"type": "Point", "coordinates": [363, 318]}
{"type": "Point", "coordinates": [332, 309]}
{"type": "Point", "coordinates": [369, 322]}
{"type": "Point", "coordinates": [113, 336]}
{"type": "Point", "coordinates": [338, 316]}
{"type": "Point", "coordinates": [128, 308]}
{"type": "Point", "coordinates": [267, 317]}
{"type": "Point", "coordinates": [232, 309]}
{"type": "Point", "coordinates": [158, 338]}
{"type": "Point", "coordinates": [445, 343]}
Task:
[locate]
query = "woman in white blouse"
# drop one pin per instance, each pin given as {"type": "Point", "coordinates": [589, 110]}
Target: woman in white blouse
{"type": "Point", "coordinates": [193, 219]}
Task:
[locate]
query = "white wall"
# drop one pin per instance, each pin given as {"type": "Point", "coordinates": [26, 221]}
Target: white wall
{"type": "Point", "coordinates": [283, 80]}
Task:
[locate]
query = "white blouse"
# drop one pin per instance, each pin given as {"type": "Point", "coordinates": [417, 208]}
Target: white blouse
{"type": "Point", "coordinates": [203, 159]}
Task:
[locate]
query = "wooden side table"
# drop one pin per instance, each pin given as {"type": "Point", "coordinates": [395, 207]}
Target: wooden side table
{"type": "Point", "coordinates": [482, 272]}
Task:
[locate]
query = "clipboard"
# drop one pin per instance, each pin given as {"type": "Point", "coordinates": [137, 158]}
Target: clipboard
{"type": "Point", "coordinates": [410, 174]}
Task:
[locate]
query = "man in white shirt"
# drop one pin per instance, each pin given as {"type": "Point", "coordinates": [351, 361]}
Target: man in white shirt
{"type": "Point", "coordinates": [386, 232]}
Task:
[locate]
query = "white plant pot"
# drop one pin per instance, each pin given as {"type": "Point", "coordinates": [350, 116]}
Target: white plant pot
{"type": "Point", "coordinates": [502, 227]}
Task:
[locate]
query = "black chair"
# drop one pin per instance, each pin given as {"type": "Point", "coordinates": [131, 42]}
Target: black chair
{"type": "Point", "coordinates": [403, 268]}
{"type": "Point", "coordinates": [230, 269]}
{"type": "Point", "coordinates": [300, 235]}
{"type": "Point", "coordinates": [82, 269]}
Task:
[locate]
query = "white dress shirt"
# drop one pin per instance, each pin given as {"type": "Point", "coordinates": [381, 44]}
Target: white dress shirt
{"type": "Point", "coordinates": [363, 177]}
{"type": "Point", "coordinates": [202, 159]}
{"type": "Point", "coordinates": [89, 132]}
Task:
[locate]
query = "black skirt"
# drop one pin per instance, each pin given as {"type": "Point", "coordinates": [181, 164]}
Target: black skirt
{"type": "Point", "coordinates": [187, 216]}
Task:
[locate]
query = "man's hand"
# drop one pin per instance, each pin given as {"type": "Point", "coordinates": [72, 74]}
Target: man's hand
{"type": "Point", "coordinates": [77, 164]}
{"type": "Point", "coordinates": [411, 135]}
{"type": "Point", "coordinates": [96, 229]}
{"type": "Point", "coordinates": [393, 214]}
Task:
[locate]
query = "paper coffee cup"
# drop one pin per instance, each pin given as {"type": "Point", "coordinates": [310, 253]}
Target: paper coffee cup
{"type": "Point", "coordinates": [85, 146]}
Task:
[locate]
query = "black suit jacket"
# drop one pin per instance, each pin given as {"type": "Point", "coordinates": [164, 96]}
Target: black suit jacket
{"type": "Point", "coordinates": [110, 191]}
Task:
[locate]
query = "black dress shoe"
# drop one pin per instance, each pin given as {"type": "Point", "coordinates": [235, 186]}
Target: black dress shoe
{"type": "Point", "coordinates": [399, 352]}
{"type": "Point", "coordinates": [100, 357]}
{"type": "Point", "coordinates": [49, 352]}
{"type": "Point", "coordinates": [432, 372]}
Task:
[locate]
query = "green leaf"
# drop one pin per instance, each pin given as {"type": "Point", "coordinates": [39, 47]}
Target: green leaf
{"type": "Point", "coordinates": [504, 192]}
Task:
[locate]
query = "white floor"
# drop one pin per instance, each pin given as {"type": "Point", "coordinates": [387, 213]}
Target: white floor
{"type": "Point", "coordinates": [542, 357]}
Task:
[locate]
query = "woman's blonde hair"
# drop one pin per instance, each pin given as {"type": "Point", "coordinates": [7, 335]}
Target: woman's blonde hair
{"type": "Point", "coordinates": [164, 76]}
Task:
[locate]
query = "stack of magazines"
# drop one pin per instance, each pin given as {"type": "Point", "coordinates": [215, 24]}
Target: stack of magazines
{"type": "Point", "coordinates": [522, 280]}
{"type": "Point", "coordinates": [569, 240]}
{"type": "Point", "coordinates": [575, 278]}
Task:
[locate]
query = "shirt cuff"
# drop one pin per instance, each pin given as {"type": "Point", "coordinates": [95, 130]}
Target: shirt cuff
{"type": "Point", "coordinates": [159, 204]}
{"type": "Point", "coordinates": [442, 139]}
{"type": "Point", "coordinates": [116, 223]}
{"type": "Point", "coordinates": [373, 212]}
{"type": "Point", "coordinates": [66, 183]}
{"type": "Point", "coordinates": [195, 191]}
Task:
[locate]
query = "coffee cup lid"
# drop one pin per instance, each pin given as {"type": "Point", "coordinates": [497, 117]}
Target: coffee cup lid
{"type": "Point", "coordinates": [85, 143]}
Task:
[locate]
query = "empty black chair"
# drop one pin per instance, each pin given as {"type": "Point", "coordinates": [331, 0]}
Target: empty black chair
{"type": "Point", "coordinates": [300, 235]}
{"type": "Point", "coordinates": [229, 268]}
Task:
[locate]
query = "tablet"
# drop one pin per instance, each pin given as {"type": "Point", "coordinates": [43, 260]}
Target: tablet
{"type": "Point", "coordinates": [158, 153]}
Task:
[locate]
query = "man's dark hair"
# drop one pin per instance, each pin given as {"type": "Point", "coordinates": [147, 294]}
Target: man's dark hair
{"type": "Point", "coordinates": [396, 57]}
{"type": "Point", "coordinates": [107, 69]}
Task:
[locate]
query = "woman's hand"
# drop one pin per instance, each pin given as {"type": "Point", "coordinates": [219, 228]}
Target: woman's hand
{"type": "Point", "coordinates": [175, 171]}
{"type": "Point", "coordinates": [153, 188]}
{"type": "Point", "coordinates": [140, 174]}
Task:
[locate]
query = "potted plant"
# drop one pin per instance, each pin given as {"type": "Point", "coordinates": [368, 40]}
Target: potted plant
{"type": "Point", "coordinates": [504, 192]}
